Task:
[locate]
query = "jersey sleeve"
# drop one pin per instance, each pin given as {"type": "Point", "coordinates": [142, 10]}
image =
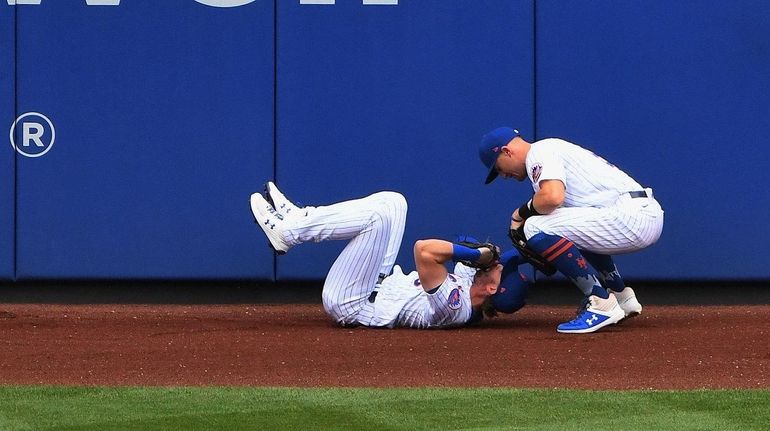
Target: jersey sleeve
{"type": "Point", "coordinates": [463, 271]}
{"type": "Point", "coordinates": [543, 163]}
{"type": "Point", "coordinates": [450, 304]}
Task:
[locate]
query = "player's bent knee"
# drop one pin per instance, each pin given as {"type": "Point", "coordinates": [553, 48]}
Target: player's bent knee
{"type": "Point", "coordinates": [390, 206]}
{"type": "Point", "coordinates": [394, 199]}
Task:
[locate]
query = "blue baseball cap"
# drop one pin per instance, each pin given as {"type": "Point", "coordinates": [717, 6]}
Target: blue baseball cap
{"type": "Point", "coordinates": [489, 150]}
{"type": "Point", "coordinates": [514, 286]}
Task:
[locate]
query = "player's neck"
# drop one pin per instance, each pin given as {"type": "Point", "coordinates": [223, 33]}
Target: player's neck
{"type": "Point", "coordinates": [522, 147]}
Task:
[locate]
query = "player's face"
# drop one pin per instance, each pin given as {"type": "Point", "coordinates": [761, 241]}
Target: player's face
{"type": "Point", "coordinates": [490, 278]}
{"type": "Point", "coordinates": [508, 166]}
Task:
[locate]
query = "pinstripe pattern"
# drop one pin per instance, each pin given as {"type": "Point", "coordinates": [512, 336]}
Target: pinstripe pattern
{"type": "Point", "coordinates": [597, 214]}
{"type": "Point", "coordinates": [374, 226]}
{"type": "Point", "coordinates": [630, 225]}
{"type": "Point", "coordinates": [401, 301]}
{"type": "Point", "coordinates": [589, 179]}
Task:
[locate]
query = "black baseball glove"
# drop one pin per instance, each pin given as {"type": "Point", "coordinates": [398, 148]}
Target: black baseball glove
{"type": "Point", "coordinates": [537, 261]}
{"type": "Point", "coordinates": [490, 254]}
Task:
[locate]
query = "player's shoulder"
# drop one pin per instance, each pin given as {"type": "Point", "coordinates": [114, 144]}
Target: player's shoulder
{"type": "Point", "coordinates": [551, 143]}
{"type": "Point", "coordinates": [557, 147]}
{"type": "Point", "coordinates": [545, 149]}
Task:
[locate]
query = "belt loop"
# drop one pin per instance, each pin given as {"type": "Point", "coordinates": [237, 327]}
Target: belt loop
{"type": "Point", "coordinates": [646, 193]}
{"type": "Point", "coordinates": [372, 296]}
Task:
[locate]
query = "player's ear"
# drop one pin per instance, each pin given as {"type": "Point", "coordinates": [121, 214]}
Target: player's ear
{"type": "Point", "coordinates": [492, 289]}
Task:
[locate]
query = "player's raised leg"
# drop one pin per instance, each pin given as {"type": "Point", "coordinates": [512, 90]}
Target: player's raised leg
{"type": "Point", "coordinates": [373, 224]}
{"type": "Point", "coordinates": [378, 222]}
{"type": "Point", "coordinates": [393, 207]}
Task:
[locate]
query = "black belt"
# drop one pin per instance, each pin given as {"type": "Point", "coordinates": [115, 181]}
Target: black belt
{"type": "Point", "coordinates": [639, 194]}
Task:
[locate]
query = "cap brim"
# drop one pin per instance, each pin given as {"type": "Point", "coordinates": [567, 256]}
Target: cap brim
{"type": "Point", "coordinates": [492, 175]}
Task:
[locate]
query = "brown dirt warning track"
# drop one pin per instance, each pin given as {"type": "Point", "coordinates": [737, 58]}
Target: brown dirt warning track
{"type": "Point", "coordinates": [668, 347]}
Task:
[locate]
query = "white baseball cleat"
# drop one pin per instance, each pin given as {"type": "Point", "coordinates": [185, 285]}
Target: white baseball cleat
{"type": "Point", "coordinates": [599, 313]}
{"type": "Point", "coordinates": [270, 221]}
{"type": "Point", "coordinates": [281, 204]}
{"type": "Point", "coordinates": [628, 302]}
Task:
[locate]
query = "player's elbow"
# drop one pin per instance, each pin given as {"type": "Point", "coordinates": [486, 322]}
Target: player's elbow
{"type": "Point", "coordinates": [424, 251]}
{"type": "Point", "coordinates": [553, 200]}
{"type": "Point", "coordinates": [421, 250]}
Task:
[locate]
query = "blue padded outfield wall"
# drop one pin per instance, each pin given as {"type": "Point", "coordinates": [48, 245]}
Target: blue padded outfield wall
{"type": "Point", "coordinates": [394, 98]}
{"type": "Point", "coordinates": [164, 124]}
{"type": "Point", "coordinates": [7, 162]}
{"type": "Point", "coordinates": [167, 115]}
{"type": "Point", "coordinates": [677, 94]}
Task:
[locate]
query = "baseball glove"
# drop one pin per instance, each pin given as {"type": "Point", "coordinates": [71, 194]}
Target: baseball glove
{"type": "Point", "coordinates": [487, 260]}
{"type": "Point", "coordinates": [537, 261]}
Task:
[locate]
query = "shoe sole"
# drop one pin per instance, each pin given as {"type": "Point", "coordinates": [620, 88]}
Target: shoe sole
{"type": "Point", "coordinates": [630, 315]}
{"type": "Point", "coordinates": [256, 222]}
{"type": "Point", "coordinates": [266, 195]}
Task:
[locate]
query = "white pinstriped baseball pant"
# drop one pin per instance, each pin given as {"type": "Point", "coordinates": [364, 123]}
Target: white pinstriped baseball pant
{"type": "Point", "coordinates": [629, 225]}
{"type": "Point", "coordinates": [375, 226]}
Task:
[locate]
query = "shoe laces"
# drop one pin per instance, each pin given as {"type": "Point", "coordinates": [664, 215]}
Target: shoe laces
{"type": "Point", "coordinates": [582, 307]}
{"type": "Point", "coordinates": [272, 211]}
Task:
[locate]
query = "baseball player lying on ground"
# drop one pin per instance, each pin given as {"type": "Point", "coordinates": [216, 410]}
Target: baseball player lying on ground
{"type": "Point", "coordinates": [364, 288]}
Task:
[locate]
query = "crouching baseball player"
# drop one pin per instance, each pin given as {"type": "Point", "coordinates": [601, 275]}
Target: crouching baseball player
{"type": "Point", "coordinates": [364, 288]}
{"type": "Point", "coordinates": [584, 210]}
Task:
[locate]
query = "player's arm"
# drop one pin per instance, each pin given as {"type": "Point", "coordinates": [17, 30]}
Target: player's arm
{"type": "Point", "coordinates": [549, 197]}
{"type": "Point", "coordinates": [545, 201]}
{"type": "Point", "coordinates": [431, 255]}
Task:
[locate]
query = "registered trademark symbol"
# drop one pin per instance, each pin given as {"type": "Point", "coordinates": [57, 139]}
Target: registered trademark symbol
{"type": "Point", "coordinates": [36, 138]}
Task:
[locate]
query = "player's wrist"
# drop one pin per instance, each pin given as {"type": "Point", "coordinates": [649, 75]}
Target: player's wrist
{"type": "Point", "coordinates": [527, 210]}
{"type": "Point", "coordinates": [463, 253]}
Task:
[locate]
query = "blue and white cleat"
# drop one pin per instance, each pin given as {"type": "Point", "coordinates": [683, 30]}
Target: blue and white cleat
{"type": "Point", "coordinates": [270, 221]}
{"type": "Point", "coordinates": [599, 313]}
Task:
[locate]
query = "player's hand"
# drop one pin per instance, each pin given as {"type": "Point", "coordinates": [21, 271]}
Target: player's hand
{"type": "Point", "coordinates": [490, 255]}
{"type": "Point", "coordinates": [516, 221]}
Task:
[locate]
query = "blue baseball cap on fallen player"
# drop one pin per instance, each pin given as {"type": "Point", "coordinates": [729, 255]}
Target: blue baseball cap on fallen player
{"type": "Point", "coordinates": [514, 286]}
{"type": "Point", "coordinates": [489, 150]}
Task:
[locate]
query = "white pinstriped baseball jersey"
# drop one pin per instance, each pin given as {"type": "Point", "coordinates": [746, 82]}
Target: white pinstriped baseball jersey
{"type": "Point", "coordinates": [589, 179]}
{"type": "Point", "coordinates": [598, 214]}
{"type": "Point", "coordinates": [374, 226]}
{"type": "Point", "coordinates": [401, 301]}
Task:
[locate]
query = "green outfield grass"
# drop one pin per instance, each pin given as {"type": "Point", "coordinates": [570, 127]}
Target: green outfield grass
{"type": "Point", "coordinates": [68, 408]}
